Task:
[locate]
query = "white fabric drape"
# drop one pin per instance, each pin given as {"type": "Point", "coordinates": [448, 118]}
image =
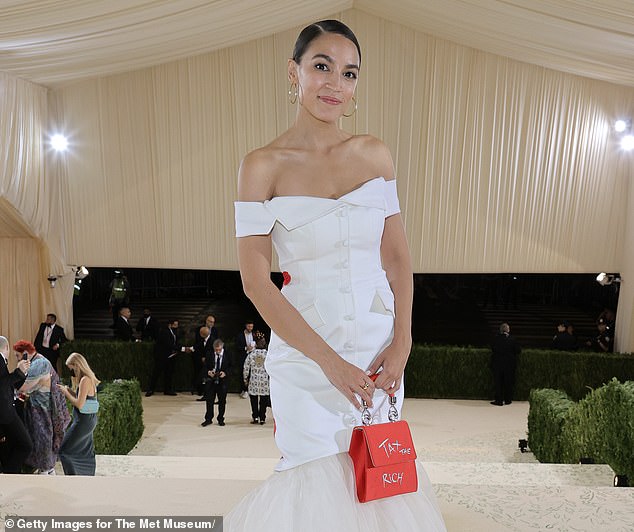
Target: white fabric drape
{"type": "Point", "coordinates": [31, 235]}
{"type": "Point", "coordinates": [502, 166]}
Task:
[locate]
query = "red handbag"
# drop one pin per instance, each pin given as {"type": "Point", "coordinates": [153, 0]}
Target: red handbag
{"type": "Point", "coordinates": [384, 457]}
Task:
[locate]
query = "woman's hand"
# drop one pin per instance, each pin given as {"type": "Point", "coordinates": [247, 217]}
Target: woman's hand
{"type": "Point", "coordinates": [351, 381]}
{"type": "Point", "coordinates": [64, 389]}
{"type": "Point", "coordinates": [392, 360]}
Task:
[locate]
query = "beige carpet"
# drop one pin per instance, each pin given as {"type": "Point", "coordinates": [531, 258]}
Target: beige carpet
{"type": "Point", "coordinates": [469, 449]}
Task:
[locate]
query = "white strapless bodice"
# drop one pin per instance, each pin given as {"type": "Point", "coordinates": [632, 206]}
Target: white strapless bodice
{"type": "Point", "coordinates": [330, 251]}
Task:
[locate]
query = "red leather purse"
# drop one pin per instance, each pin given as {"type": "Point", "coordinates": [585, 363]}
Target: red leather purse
{"type": "Point", "coordinates": [384, 457]}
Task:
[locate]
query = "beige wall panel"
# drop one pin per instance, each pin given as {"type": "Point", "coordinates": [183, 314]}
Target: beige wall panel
{"type": "Point", "coordinates": [503, 166]}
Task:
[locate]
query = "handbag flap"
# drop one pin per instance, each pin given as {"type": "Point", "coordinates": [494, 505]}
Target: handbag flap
{"type": "Point", "coordinates": [389, 443]}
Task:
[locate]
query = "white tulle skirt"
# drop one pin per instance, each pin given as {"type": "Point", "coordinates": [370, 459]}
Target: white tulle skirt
{"type": "Point", "coordinates": [321, 496]}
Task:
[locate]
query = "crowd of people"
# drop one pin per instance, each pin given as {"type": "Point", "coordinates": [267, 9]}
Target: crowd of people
{"type": "Point", "coordinates": [213, 365]}
{"type": "Point", "coordinates": [565, 339]}
{"type": "Point", "coordinates": [35, 424]}
{"type": "Point", "coordinates": [505, 350]}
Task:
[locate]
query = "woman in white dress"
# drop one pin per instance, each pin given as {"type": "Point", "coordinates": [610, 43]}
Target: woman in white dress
{"type": "Point", "coordinates": [326, 200]}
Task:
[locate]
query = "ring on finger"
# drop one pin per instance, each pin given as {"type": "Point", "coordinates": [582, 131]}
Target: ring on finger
{"type": "Point", "coordinates": [365, 386]}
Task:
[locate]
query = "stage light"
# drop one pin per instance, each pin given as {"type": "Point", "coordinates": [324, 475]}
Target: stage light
{"type": "Point", "coordinates": [605, 279]}
{"type": "Point", "coordinates": [627, 142]}
{"type": "Point", "coordinates": [59, 142]}
{"type": "Point", "coordinates": [523, 445]}
{"type": "Point", "coordinates": [621, 125]}
{"type": "Point", "coordinates": [52, 280]}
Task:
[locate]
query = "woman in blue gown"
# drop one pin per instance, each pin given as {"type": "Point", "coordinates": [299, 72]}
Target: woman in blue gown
{"type": "Point", "coordinates": [77, 452]}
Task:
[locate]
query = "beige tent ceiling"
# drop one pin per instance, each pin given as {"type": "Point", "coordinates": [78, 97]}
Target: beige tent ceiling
{"type": "Point", "coordinates": [56, 42]}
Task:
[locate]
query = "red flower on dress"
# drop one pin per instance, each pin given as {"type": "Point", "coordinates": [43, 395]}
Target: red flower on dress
{"type": "Point", "coordinates": [287, 278]}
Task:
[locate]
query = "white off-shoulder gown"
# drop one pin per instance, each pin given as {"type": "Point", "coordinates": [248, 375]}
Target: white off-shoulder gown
{"type": "Point", "coordinates": [330, 249]}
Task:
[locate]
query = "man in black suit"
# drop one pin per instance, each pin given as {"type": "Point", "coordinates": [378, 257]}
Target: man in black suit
{"type": "Point", "coordinates": [210, 323]}
{"type": "Point", "coordinates": [147, 326]}
{"type": "Point", "coordinates": [503, 362]}
{"type": "Point", "coordinates": [245, 343]}
{"type": "Point", "coordinates": [202, 348]}
{"type": "Point", "coordinates": [17, 443]}
{"type": "Point", "coordinates": [166, 348]}
{"type": "Point", "coordinates": [122, 328]}
{"type": "Point", "coordinates": [218, 367]}
{"type": "Point", "coordinates": [49, 339]}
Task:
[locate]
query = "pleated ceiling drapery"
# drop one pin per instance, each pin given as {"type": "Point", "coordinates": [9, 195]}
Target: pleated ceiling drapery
{"type": "Point", "coordinates": [502, 166]}
{"type": "Point", "coordinates": [56, 42]}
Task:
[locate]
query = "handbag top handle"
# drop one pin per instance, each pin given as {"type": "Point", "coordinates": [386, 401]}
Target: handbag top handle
{"type": "Point", "coordinates": [392, 413]}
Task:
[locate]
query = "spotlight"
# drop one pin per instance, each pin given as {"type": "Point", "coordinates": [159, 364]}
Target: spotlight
{"type": "Point", "coordinates": [52, 280]}
{"type": "Point", "coordinates": [81, 273]}
{"type": "Point", "coordinates": [620, 481]}
{"type": "Point", "coordinates": [621, 125]}
{"type": "Point", "coordinates": [59, 142]}
{"type": "Point", "coordinates": [627, 142]}
{"type": "Point", "coordinates": [523, 445]}
{"type": "Point", "coordinates": [605, 279]}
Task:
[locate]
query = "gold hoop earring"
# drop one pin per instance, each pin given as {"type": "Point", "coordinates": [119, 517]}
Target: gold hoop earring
{"type": "Point", "coordinates": [292, 93]}
{"type": "Point", "coordinates": [354, 110]}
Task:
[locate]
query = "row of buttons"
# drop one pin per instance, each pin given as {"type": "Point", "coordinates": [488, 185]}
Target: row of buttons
{"type": "Point", "coordinates": [345, 280]}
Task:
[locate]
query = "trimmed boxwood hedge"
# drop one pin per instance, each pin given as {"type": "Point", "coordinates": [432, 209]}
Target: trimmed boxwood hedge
{"type": "Point", "coordinates": [433, 371]}
{"type": "Point", "coordinates": [452, 372]}
{"type": "Point", "coordinates": [120, 424]}
{"type": "Point", "coordinates": [599, 427]}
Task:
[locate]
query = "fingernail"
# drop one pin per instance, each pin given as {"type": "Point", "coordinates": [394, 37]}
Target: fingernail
{"type": "Point", "coordinates": [367, 372]}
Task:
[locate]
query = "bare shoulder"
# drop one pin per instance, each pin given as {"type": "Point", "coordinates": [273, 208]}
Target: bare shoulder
{"type": "Point", "coordinates": [256, 176]}
{"type": "Point", "coordinates": [377, 153]}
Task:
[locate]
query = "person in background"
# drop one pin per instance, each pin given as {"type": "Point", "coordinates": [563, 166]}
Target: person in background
{"type": "Point", "coordinates": [202, 348]}
{"type": "Point", "coordinates": [503, 362]}
{"type": "Point", "coordinates": [48, 340]}
{"type": "Point", "coordinates": [166, 348]}
{"type": "Point", "coordinates": [570, 329]}
{"type": "Point", "coordinates": [77, 452]}
{"type": "Point", "coordinates": [245, 343]}
{"type": "Point", "coordinates": [563, 340]}
{"type": "Point", "coordinates": [119, 294]}
{"type": "Point", "coordinates": [256, 379]}
{"type": "Point", "coordinates": [210, 323]}
{"type": "Point", "coordinates": [603, 342]}
{"type": "Point", "coordinates": [45, 413]}
{"type": "Point", "coordinates": [122, 328]}
{"type": "Point", "coordinates": [218, 366]}
{"type": "Point", "coordinates": [147, 326]}
{"type": "Point", "coordinates": [17, 443]}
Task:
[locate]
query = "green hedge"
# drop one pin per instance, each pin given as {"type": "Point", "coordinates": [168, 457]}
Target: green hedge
{"type": "Point", "coordinates": [441, 372]}
{"type": "Point", "coordinates": [451, 372]}
{"type": "Point", "coordinates": [549, 410]}
{"type": "Point", "coordinates": [120, 424]}
{"type": "Point", "coordinates": [112, 360]}
{"type": "Point", "coordinates": [600, 427]}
